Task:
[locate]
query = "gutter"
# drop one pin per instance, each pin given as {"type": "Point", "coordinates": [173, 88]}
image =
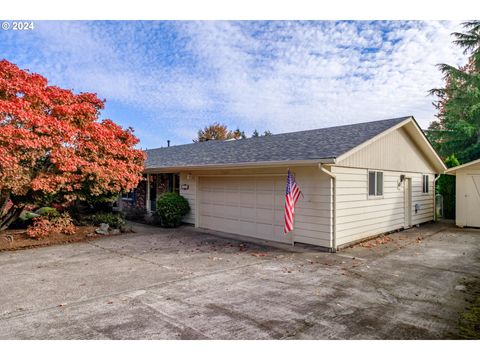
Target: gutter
{"type": "Point", "coordinates": [334, 201]}
{"type": "Point", "coordinates": [435, 197]}
{"type": "Point", "coordinates": [244, 165]}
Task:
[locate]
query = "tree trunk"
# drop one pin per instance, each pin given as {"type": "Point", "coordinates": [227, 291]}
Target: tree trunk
{"type": "Point", "coordinates": [10, 216]}
{"type": "Point", "coordinates": [4, 197]}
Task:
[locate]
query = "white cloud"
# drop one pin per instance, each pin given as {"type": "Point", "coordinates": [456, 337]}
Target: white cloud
{"type": "Point", "coordinates": [282, 76]}
{"type": "Point", "coordinates": [314, 75]}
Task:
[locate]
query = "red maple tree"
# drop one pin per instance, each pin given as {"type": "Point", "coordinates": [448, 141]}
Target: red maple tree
{"type": "Point", "coordinates": [53, 146]}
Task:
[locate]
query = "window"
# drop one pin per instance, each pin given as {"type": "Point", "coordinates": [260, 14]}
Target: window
{"type": "Point", "coordinates": [128, 196]}
{"type": "Point", "coordinates": [425, 184]}
{"type": "Point", "coordinates": [375, 183]}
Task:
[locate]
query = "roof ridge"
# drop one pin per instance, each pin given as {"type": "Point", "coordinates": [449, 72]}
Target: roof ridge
{"type": "Point", "coordinates": [399, 119]}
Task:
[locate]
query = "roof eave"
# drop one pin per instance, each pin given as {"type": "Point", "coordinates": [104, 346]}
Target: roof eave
{"type": "Point", "coordinates": [245, 165]}
{"type": "Point", "coordinates": [453, 170]}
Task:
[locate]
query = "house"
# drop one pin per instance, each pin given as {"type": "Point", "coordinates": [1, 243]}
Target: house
{"type": "Point", "coordinates": [357, 181]}
{"type": "Point", "coordinates": [467, 193]}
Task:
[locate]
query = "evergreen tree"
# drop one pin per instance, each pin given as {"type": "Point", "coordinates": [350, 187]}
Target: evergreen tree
{"type": "Point", "coordinates": [446, 187]}
{"type": "Point", "coordinates": [457, 130]}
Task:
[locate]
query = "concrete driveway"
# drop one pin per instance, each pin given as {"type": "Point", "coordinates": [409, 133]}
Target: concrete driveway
{"type": "Point", "coordinates": [186, 284]}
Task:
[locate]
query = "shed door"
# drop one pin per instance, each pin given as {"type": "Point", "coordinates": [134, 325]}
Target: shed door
{"type": "Point", "coordinates": [245, 205]}
{"type": "Point", "coordinates": [473, 200]}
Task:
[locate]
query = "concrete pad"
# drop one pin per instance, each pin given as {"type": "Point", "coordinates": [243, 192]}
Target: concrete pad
{"type": "Point", "coordinates": [188, 284]}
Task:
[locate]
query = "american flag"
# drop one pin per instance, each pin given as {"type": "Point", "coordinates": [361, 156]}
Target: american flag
{"type": "Point", "coordinates": [291, 196]}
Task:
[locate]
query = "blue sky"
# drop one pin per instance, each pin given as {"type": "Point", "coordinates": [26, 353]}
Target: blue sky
{"type": "Point", "coordinates": [167, 79]}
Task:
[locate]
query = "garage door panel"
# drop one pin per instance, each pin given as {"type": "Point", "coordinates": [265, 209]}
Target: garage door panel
{"type": "Point", "coordinates": [213, 197]}
{"type": "Point", "coordinates": [231, 211]}
{"type": "Point", "coordinates": [278, 220]}
{"type": "Point", "coordinates": [280, 183]}
{"type": "Point", "coordinates": [213, 209]}
{"type": "Point", "coordinates": [221, 224]}
{"type": "Point", "coordinates": [280, 236]}
{"type": "Point", "coordinates": [245, 228]}
{"type": "Point", "coordinates": [247, 198]}
{"type": "Point", "coordinates": [264, 201]}
{"type": "Point", "coordinates": [247, 213]}
{"type": "Point", "coordinates": [231, 198]}
{"type": "Point", "coordinates": [265, 184]}
{"type": "Point", "coordinates": [265, 231]}
{"type": "Point", "coordinates": [264, 215]}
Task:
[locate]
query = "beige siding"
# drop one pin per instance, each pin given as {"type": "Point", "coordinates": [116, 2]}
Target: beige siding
{"type": "Point", "coordinates": [313, 213]}
{"type": "Point", "coordinates": [226, 197]}
{"type": "Point", "coordinates": [189, 194]}
{"type": "Point", "coordinates": [394, 151]}
{"type": "Point", "coordinates": [467, 205]}
{"type": "Point", "coordinates": [358, 216]}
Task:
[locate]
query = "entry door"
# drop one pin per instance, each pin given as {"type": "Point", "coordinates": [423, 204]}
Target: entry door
{"type": "Point", "coordinates": [473, 200]}
{"type": "Point", "coordinates": [408, 203]}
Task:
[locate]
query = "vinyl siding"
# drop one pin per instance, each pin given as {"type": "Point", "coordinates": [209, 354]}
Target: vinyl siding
{"type": "Point", "coordinates": [190, 195]}
{"type": "Point", "coordinates": [359, 216]}
{"type": "Point", "coordinates": [465, 211]}
{"type": "Point", "coordinates": [394, 151]}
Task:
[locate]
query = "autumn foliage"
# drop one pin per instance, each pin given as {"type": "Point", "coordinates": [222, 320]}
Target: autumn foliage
{"type": "Point", "coordinates": [43, 226]}
{"type": "Point", "coordinates": [217, 131]}
{"type": "Point", "coordinates": [54, 148]}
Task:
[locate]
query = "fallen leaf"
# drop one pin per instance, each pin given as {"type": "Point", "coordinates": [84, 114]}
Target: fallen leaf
{"type": "Point", "coordinates": [258, 254]}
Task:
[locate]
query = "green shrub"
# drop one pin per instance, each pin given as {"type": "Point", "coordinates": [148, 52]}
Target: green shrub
{"type": "Point", "coordinates": [171, 208]}
{"type": "Point", "coordinates": [114, 220]}
{"type": "Point", "coordinates": [48, 212]}
{"type": "Point", "coordinates": [446, 187]}
{"type": "Point", "coordinates": [25, 220]}
{"type": "Point", "coordinates": [28, 215]}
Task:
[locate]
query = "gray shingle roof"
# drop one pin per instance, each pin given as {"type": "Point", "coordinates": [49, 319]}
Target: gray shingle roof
{"type": "Point", "coordinates": [323, 143]}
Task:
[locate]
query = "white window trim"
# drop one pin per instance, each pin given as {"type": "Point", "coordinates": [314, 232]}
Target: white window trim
{"type": "Point", "coordinates": [423, 184]}
{"type": "Point", "coordinates": [375, 197]}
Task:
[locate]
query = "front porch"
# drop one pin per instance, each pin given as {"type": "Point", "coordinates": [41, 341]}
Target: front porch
{"type": "Point", "coordinates": [144, 197]}
{"type": "Point", "coordinates": [158, 184]}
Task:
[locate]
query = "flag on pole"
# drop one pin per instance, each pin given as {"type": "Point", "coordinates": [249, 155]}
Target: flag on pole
{"type": "Point", "coordinates": [291, 196]}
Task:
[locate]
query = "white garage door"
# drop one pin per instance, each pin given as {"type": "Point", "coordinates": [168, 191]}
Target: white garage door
{"type": "Point", "coordinates": [245, 205]}
{"type": "Point", "coordinates": [473, 200]}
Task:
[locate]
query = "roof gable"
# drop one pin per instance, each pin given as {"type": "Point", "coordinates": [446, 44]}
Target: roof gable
{"type": "Point", "coordinates": [311, 145]}
{"type": "Point", "coordinates": [472, 165]}
{"type": "Point", "coordinates": [403, 147]}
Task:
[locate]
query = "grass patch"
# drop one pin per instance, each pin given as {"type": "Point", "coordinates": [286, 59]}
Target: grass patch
{"type": "Point", "coordinates": [469, 327]}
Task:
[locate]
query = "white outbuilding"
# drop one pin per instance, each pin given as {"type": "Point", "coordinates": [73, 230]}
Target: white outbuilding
{"type": "Point", "coordinates": [467, 194]}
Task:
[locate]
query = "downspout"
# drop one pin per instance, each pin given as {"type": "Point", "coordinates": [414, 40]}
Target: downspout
{"type": "Point", "coordinates": [334, 201]}
{"type": "Point", "coordinates": [435, 197]}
